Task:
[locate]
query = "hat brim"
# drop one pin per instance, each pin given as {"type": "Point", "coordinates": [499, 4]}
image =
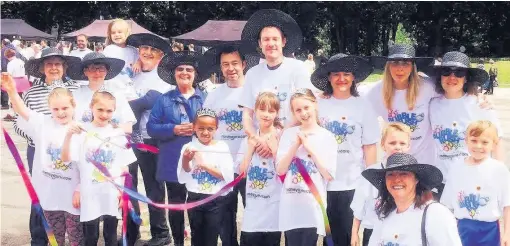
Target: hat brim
{"type": "Point", "coordinates": [422, 63]}
{"type": "Point", "coordinates": [167, 65]}
{"type": "Point", "coordinates": [137, 40]}
{"type": "Point", "coordinates": [475, 75]}
{"type": "Point", "coordinates": [273, 18]}
{"type": "Point", "coordinates": [32, 66]}
{"type": "Point", "coordinates": [115, 66]}
{"type": "Point", "coordinates": [360, 67]}
{"type": "Point", "coordinates": [429, 176]}
{"type": "Point", "coordinates": [211, 61]}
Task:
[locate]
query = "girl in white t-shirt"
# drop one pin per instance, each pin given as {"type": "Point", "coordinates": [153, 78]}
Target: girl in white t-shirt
{"type": "Point", "coordinates": [205, 166]}
{"type": "Point", "coordinates": [396, 138]}
{"type": "Point", "coordinates": [478, 189]}
{"type": "Point", "coordinates": [100, 143]}
{"type": "Point", "coordinates": [263, 187]}
{"type": "Point", "coordinates": [54, 179]}
{"type": "Point", "coordinates": [300, 215]}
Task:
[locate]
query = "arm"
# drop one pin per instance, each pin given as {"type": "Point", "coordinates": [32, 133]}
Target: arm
{"type": "Point", "coordinates": [320, 165]}
{"type": "Point", "coordinates": [506, 222]}
{"type": "Point", "coordinates": [155, 128]}
{"type": "Point", "coordinates": [246, 159]}
{"type": "Point", "coordinates": [248, 125]}
{"type": "Point", "coordinates": [17, 103]}
{"type": "Point", "coordinates": [370, 154]}
{"type": "Point", "coordinates": [441, 227]}
{"type": "Point", "coordinates": [355, 230]}
{"type": "Point", "coordinates": [282, 166]}
{"type": "Point", "coordinates": [66, 146]}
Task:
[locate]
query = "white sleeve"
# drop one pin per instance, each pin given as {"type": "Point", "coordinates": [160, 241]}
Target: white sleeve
{"type": "Point", "coordinates": [240, 154]}
{"type": "Point", "coordinates": [126, 113]}
{"type": "Point", "coordinates": [330, 153]}
{"type": "Point", "coordinates": [448, 197]}
{"type": "Point", "coordinates": [125, 156]}
{"type": "Point", "coordinates": [375, 238]}
{"type": "Point", "coordinates": [227, 164]}
{"type": "Point", "coordinates": [77, 142]}
{"type": "Point", "coordinates": [34, 126]}
{"type": "Point", "coordinates": [504, 180]}
{"type": "Point", "coordinates": [209, 100]}
{"type": "Point", "coordinates": [373, 96]}
{"type": "Point", "coordinates": [286, 141]}
{"type": "Point", "coordinates": [247, 98]}
{"type": "Point", "coordinates": [441, 227]}
{"type": "Point", "coordinates": [302, 77]}
{"type": "Point", "coordinates": [359, 199]}
{"type": "Point", "coordinates": [183, 176]}
{"type": "Point", "coordinates": [371, 132]}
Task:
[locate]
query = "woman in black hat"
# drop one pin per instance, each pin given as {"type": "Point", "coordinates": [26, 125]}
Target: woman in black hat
{"type": "Point", "coordinates": [356, 129]}
{"type": "Point", "coordinates": [170, 124]}
{"type": "Point", "coordinates": [456, 108]}
{"type": "Point", "coordinates": [407, 215]}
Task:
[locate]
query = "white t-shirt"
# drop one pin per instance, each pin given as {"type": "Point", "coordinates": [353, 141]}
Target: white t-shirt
{"type": "Point", "coordinates": [16, 67]}
{"type": "Point", "coordinates": [449, 119]}
{"type": "Point", "coordinates": [298, 207]}
{"type": "Point", "coordinates": [365, 201]}
{"type": "Point", "coordinates": [283, 81]}
{"type": "Point", "coordinates": [54, 180]}
{"type": "Point", "coordinates": [144, 82]}
{"type": "Point", "coordinates": [200, 181]}
{"type": "Point", "coordinates": [129, 54]}
{"type": "Point", "coordinates": [80, 53]}
{"type": "Point", "coordinates": [225, 102]}
{"type": "Point", "coordinates": [263, 190]}
{"type": "Point", "coordinates": [405, 228]}
{"type": "Point", "coordinates": [83, 113]}
{"type": "Point", "coordinates": [353, 123]}
{"type": "Point", "coordinates": [98, 196]}
{"type": "Point", "coordinates": [422, 143]}
{"type": "Point", "coordinates": [477, 192]}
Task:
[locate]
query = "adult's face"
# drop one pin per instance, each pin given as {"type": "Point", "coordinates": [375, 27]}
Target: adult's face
{"type": "Point", "coordinates": [149, 56]}
{"type": "Point", "coordinates": [452, 80]}
{"type": "Point", "coordinates": [400, 71]}
{"type": "Point", "coordinates": [401, 184]}
{"type": "Point", "coordinates": [184, 76]}
{"type": "Point", "coordinates": [272, 42]}
{"type": "Point", "coordinates": [232, 66]}
{"type": "Point", "coordinates": [54, 68]}
{"type": "Point", "coordinates": [95, 72]}
{"type": "Point", "coordinates": [82, 42]}
{"type": "Point", "coordinates": [341, 81]}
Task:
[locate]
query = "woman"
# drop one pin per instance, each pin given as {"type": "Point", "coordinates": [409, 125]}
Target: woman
{"type": "Point", "coordinates": [356, 130]}
{"type": "Point", "coordinates": [406, 214]}
{"type": "Point", "coordinates": [96, 68]}
{"type": "Point", "coordinates": [170, 124]}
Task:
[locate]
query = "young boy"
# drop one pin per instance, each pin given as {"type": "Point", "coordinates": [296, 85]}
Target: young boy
{"type": "Point", "coordinates": [478, 189]}
{"type": "Point", "coordinates": [396, 138]}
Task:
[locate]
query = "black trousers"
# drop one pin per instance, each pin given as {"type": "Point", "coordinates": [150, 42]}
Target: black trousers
{"type": "Point", "coordinates": [155, 190]}
{"type": "Point", "coordinates": [4, 99]}
{"type": "Point", "coordinates": [340, 216]}
{"type": "Point", "coordinates": [260, 238]}
{"type": "Point", "coordinates": [301, 237]}
{"type": "Point", "coordinates": [91, 231]}
{"type": "Point", "coordinates": [367, 233]}
{"type": "Point", "coordinates": [176, 194]}
{"type": "Point", "coordinates": [204, 220]}
{"type": "Point", "coordinates": [228, 232]}
{"type": "Point", "coordinates": [37, 232]}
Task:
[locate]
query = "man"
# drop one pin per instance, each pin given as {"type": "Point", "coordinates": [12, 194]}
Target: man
{"type": "Point", "coordinates": [82, 50]}
{"type": "Point", "coordinates": [493, 75]}
{"type": "Point", "coordinates": [4, 96]}
{"type": "Point", "coordinates": [44, 44]}
{"type": "Point", "coordinates": [148, 84]}
{"type": "Point", "coordinates": [275, 33]}
{"type": "Point", "coordinates": [37, 51]}
{"type": "Point", "coordinates": [16, 68]}
{"type": "Point", "coordinates": [50, 67]}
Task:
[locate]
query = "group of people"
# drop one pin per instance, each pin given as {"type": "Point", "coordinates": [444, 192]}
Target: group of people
{"type": "Point", "coordinates": [301, 141]}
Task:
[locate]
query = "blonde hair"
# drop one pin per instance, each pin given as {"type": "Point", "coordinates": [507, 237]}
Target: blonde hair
{"type": "Point", "coordinates": [412, 91]}
{"type": "Point", "coordinates": [109, 30]}
{"type": "Point", "coordinates": [269, 100]}
{"type": "Point", "coordinates": [61, 92]}
{"type": "Point", "coordinates": [476, 128]}
{"type": "Point", "coordinates": [102, 95]}
{"type": "Point", "coordinates": [395, 127]}
{"type": "Point", "coordinates": [308, 95]}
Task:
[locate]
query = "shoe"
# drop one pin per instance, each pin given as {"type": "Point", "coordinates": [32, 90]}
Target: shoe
{"type": "Point", "coordinates": [9, 117]}
{"type": "Point", "coordinates": [155, 241]}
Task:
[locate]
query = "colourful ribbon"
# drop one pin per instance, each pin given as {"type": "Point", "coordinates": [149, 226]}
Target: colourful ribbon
{"type": "Point", "coordinates": [30, 188]}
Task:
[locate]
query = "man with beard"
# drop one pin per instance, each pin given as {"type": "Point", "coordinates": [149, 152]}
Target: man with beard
{"type": "Point", "coordinates": [82, 42]}
{"type": "Point", "coordinates": [147, 84]}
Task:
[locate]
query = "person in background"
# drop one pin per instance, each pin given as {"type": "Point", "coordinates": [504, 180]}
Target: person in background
{"type": "Point", "coordinates": [82, 43]}
{"type": "Point", "coordinates": [16, 68]}
{"type": "Point", "coordinates": [5, 97]}
{"type": "Point", "coordinates": [37, 51]}
{"type": "Point", "coordinates": [493, 75]}
{"type": "Point", "coordinates": [310, 64]}
{"type": "Point", "coordinates": [44, 44]}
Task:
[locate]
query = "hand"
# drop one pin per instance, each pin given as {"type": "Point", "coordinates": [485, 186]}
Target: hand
{"type": "Point", "coordinates": [354, 240]}
{"type": "Point", "coordinates": [272, 141]}
{"type": "Point", "coordinates": [252, 143]}
{"type": "Point", "coordinates": [188, 154]}
{"type": "Point", "coordinates": [8, 83]}
{"type": "Point", "coordinates": [184, 129]}
{"type": "Point", "coordinates": [137, 67]}
{"type": "Point", "coordinates": [262, 148]}
{"type": "Point", "coordinates": [199, 160]}
{"type": "Point", "coordinates": [76, 199]}
{"type": "Point", "coordinates": [505, 240]}
{"type": "Point", "coordinates": [304, 141]}
{"type": "Point", "coordinates": [484, 102]}
{"type": "Point", "coordinates": [74, 128]}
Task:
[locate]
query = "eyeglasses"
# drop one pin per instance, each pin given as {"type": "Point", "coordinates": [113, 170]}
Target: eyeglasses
{"type": "Point", "coordinates": [459, 72]}
{"type": "Point", "coordinates": [151, 49]}
{"type": "Point", "coordinates": [188, 69]}
{"type": "Point", "coordinates": [404, 63]}
{"type": "Point", "coordinates": [97, 69]}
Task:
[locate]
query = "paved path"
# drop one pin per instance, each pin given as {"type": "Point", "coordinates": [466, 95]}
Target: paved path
{"type": "Point", "coordinates": [15, 203]}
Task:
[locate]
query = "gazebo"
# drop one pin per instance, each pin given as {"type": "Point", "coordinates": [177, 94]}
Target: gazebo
{"type": "Point", "coordinates": [96, 31]}
{"type": "Point", "coordinates": [19, 29]}
{"type": "Point", "coordinates": [214, 32]}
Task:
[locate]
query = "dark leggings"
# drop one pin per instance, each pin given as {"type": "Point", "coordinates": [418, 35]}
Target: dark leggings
{"type": "Point", "coordinates": [91, 231]}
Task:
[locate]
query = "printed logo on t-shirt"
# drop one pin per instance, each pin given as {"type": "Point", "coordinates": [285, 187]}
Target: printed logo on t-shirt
{"type": "Point", "coordinates": [127, 71]}
{"type": "Point", "coordinates": [390, 244]}
{"type": "Point", "coordinates": [102, 156]}
{"type": "Point", "coordinates": [450, 138]}
{"type": "Point", "coordinates": [204, 179]}
{"type": "Point", "coordinates": [233, 119]}
{"type": "Point", "coordinates": [340, 129]}
{"type": "Point", "coordinates": [410, 119]}
{"type": "Point", "coordinates": [296, 176]}
{"type": "Point", "coordinates": [55, 156]}
{"type": "Point", "coordinates": [472, 202]}
{"type": "Point", "coordinates": [258, 176]}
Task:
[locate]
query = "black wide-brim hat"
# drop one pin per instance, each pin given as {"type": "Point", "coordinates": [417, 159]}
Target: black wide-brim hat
{"type": "Point", "coordinates": [32, 66]}
{"type": "Point", "coordinates": [359, 66]}
{"type": "Point", "coordinates": [211, 60]}
{"type": "Point", "coordinates": [167, 65]}
{"type": "Point", "coordinates": [456, 59]}
{"type": "Point", "coordinates": [114, 66]}
{"type": "Point", "coordinates": [137, 40]}
{"type": "Point", "coordinates": [428, 175]}
{"type": "Point", "coordinates": [273, 18]}
{"type": "Point", "coordinates": [401, 52]}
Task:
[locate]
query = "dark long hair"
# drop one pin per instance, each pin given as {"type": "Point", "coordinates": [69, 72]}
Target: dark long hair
{"type": "Point", "coordinates": [387, 203]}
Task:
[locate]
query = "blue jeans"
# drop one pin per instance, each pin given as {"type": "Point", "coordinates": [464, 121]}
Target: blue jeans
{"type": "Point", "coordinates": [37, 232]}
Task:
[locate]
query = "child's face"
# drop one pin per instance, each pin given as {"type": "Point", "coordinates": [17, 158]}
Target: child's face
{"type": "Point", "coordinates": [480, 147]}
{"type": "Point", "coordinates": [396, 142]}
{"type": "Point", "coordinates": [304, 110]}
{"type": "Point", "coordinates": [205, 127]}
{"type": "Point", "coordinates": [119, 33]}
{"type": "Point", "coordinates": [266, 116]}
{"type": "Point", "coordinates": [62, 110]}
{"type": "Point", "coordinates": [102, 111]}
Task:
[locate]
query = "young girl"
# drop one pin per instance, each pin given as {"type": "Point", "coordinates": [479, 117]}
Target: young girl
{"type": "Point", "coordinates": [205, 166]}
{"type": "Point", "coordinates": [396, 138]}
{"type": "Point", "coordinates": [54, 179]}
{"type": "Point", "coordinates": [315, 147]}
{"type": "Point", "coordinates": [263, 187]}
{"type": "Point", "coordinates": [99, 142]}
{"type": "Point", "coordinates": [478, 189]}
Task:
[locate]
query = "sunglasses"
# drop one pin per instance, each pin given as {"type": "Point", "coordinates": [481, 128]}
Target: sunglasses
{"type": "Point", "coordinates": [459, 73]}
{"type": "Point", "coordinates": [188, 69]}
